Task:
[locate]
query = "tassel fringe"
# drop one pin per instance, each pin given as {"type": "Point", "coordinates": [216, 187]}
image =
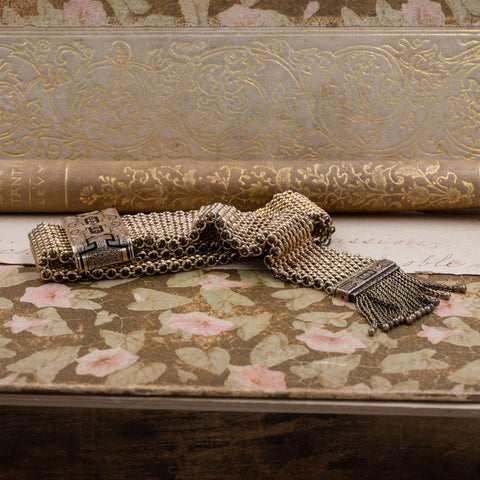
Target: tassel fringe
{"type": "Point", "coordinates": [399, 299]}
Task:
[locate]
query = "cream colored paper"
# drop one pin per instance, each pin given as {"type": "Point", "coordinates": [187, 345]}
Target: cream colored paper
{"type": "Point", "coordinates": [418, 243]}
{"type": "Point", "coordinates": [14, 244]}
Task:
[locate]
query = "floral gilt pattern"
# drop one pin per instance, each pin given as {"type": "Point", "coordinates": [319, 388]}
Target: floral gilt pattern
{"type": "Point", "coordinates": [224, 333]}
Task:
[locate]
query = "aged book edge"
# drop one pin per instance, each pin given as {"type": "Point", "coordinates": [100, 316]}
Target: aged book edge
{"type": "Point", "coordinates": [31, 185]}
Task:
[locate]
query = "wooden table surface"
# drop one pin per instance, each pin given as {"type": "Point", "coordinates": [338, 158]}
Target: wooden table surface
{"type": "Point", "coordinates": [104, 443]}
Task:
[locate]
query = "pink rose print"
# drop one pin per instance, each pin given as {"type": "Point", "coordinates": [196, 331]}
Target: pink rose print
{"type": "Point", "coordinates": [19, 324]}
{"type": "Point", "coordinates": [311, 9]}
{"type": "Point", "coordinates": [198, 323]}
{"type": "Point", "coordinates": [361, 388]}
{"type": "Point", "coordinates": [422, 13]}
{"type": "Point", "coordinates": [323, 340]}
{"type": "Point", "coordinates": [9, 379]}
{"type": "Point", "coordinates": [49, 295]}
{"type": "Point", "coordinates": [254, 377]}
{"type": "Point", "coordinates": [103, 362]}
{"type": "Point", "coordinates": [339, 302]}
{"type": "Point", "coordinates": [243, 16]}
{"type": "Point", "coordinates": [436, 335]}
{"type": "Point", "coordinates": [455, 307]}
{"type": "Point", "coordinates": [214, 282]}
{"type": "Point", "coordinates": [85, 13]}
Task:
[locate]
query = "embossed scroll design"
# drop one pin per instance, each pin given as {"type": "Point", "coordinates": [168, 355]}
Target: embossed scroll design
{"type": "Point", "coordinates": [342, 186]}
{"type": "Point", "coordinates": [120, 100]}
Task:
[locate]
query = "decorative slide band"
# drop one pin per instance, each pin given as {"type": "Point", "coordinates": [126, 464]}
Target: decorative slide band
{"type": "Point", "coordinates": [98, 239]}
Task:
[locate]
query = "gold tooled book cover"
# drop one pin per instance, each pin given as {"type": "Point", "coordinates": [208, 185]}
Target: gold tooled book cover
{"type": "Point", "coordinates": [342, 186]}
{"type": "Point", "coordinates": [357, 119]}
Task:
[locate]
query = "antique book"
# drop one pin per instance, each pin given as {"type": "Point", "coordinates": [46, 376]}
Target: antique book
{"type": "Point", "coordinates": [138, 119]}
{"type": "Point", "coordinates": [342, 186]}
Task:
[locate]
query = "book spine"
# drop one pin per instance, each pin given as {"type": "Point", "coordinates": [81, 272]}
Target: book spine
{"type": "Point", "coordinates": [31, 185]}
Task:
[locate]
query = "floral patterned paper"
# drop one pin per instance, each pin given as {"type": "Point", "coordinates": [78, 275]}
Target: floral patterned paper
{"type": "Point", "coordinates": [240, 13]}
{"type": "Point", "coordinates": [227, 333]}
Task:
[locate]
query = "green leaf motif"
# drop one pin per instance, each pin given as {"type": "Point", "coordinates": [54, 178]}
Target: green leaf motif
{"type": "Point", "coordinates": [56, 325]}
{"type": "Point", "coordinates": [45, 364]}
{"type": "Point", "coordinates": [5, 303]}
{"type": "Point", "coordinates": [165, 330]}
{"type": "Point", "coordinates": [15, 276]}
{"type": "Point", "coordinates": [186, 376]}
{"type": "Point", "coordinates": [132, 341]}
{"type": "Point", "coordinates": [360, 332]}
{"type": "Point", "coordinates": [223, 300]}
{"type": "Point", "coordinates": [148, 299]}
{"type": "Point", "coordinates": [251, 325]}
{"type": "Point", "coordinates": [404, 362]}
{"type": "Point", "coordinates": [322, 318]}
{"type": "Point", "coordinates": [471, 337]}
{"type": "Point", "coordinates": [137, 374]}
{"type": "Point", "coordinates": [299, 298]}
{"type": "Point", "coordinates": [331, 372]}
{"type": "Point", "coordinates": [469, 374]}
{"type": "Point", "coordinates": [186, 279]}
{"type": "Point", "coordinates": [82, 298]}
{"type": "Point", "coordinates": [5, 352]}
{"type": "Point", "coordinates": [254, 277]}
{"type": "Point", "coordinates": [215, 360]}
{"type": "Point", "coordinates": [275, 350]}
{"type": "Point", "coordinates": [104, 317]}
{"type": "Point", "coordinates": [384, 385]}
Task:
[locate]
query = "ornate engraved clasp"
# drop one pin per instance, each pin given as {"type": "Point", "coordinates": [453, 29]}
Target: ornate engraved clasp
{"type": "Point", "coordinates": [353, 286]}
{"type": "Point", "coordinates": [98, 239]}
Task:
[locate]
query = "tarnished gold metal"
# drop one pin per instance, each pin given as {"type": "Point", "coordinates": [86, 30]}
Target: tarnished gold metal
{"type": "Point", "coordinates": [291, 233]}
{"type": "Point", "coordinates": [98, 239]}
{"type": "Point", "coordinates": [353, 286]}
{"type": "Point", "coordinates": [284, 232]}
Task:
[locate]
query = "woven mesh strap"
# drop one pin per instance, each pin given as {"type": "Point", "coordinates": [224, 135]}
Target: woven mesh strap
{"type": "Point", "coordinates": [290, 233]}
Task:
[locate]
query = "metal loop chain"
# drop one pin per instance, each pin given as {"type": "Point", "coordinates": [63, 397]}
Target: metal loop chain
{"type": "Point", "coordinates": [291, 234]}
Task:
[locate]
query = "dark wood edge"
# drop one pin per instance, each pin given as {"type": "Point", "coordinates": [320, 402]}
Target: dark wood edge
{"type": "Point", "coordinates": [325, 407]}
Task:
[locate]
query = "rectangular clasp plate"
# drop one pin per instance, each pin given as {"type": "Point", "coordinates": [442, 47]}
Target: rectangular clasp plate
{"type": "Point", "coordinates": [98, 239]}
{"type": "Point", "coordinates": [350, 288]}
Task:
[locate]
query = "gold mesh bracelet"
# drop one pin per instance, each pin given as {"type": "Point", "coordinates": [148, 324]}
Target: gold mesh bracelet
{"type": "Point", "coordinates": [290, 233]}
